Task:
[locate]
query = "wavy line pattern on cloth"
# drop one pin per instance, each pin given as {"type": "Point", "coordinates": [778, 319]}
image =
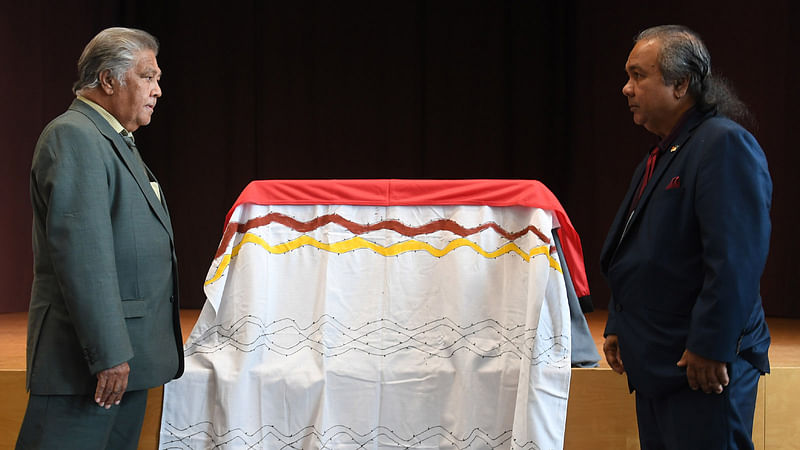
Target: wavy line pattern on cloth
{"type": "Point", "coordinates": [329, 337]}
{"type": "Point", "coordinates": [356, 228]}
{"type": "Point", "coordinates": [358, 243]}
{"type": "Point", "coordinates": [269, 436]}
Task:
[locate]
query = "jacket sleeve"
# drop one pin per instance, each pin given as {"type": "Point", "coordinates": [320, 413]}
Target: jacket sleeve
{"type": "Point", "coordinates": [611, 324]}
{"type": "Point", "coordinates": [72, 179]}
{"type": "Point", "coordinates": [732, 198]}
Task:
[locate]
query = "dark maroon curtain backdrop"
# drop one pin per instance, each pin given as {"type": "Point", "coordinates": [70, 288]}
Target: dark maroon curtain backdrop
{"type": "Point", "coordinates": [392, 89]}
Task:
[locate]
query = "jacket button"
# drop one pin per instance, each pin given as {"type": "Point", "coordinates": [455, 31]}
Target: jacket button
{"type": "Point", "coordinates": [618, 307]}
{"type": "Point", "coordinates": [172, 299]}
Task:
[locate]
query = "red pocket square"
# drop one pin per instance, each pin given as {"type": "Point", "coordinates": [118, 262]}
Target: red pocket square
{"type": "Point", "coordinates": [674, 183]}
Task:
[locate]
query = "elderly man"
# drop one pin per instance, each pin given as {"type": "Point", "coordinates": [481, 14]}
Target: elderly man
{"type": "Point", "coordinates": [686, 251]}
{"type": "Point", "coordinates": [103, 323]}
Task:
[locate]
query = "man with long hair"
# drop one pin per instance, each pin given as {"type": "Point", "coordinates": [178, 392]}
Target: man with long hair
{"type": "Point", "coordinates": [686, 251]}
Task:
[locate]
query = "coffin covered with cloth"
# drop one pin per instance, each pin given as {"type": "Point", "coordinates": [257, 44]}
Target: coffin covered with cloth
{"type": "Point", "coordinates": [383, 314]}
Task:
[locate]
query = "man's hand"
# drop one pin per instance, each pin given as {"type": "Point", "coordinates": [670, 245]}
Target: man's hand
{"type": "Point", "coordinates": [111, 384]}
{"type": "Point", "coordinates": [703, 373]}
{"type": "Point", "coordinates": [611, 350]}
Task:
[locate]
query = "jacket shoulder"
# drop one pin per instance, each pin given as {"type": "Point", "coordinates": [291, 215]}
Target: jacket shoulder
{"type": "Point", "coordinates": [71, 123]}
{"type": "Point", "coordinates": [721, 125]}
{"type": "Point", "coordinates": [71, 131]}
{"type": "Point", "coordinates": [720, 136]}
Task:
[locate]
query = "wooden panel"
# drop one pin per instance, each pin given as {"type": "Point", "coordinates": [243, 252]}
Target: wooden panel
{"type": "Point", "coordinates": [148, 440]}
{"type": "Point", "coordinates": [758, 418]}
{"type": "Point", "coordinates": [12, 408]}
{"type": "Point", "coordinates": [782, 420]}
{"type": "Point", "coordinates": [601, 412]}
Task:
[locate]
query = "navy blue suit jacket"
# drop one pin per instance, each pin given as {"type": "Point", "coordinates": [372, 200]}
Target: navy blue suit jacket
{"type": "Point", "coordinates": [685, 273]}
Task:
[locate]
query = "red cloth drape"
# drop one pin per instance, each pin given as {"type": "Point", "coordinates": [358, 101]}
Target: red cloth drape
{"type": "Point", "coordinates": [528, 193]}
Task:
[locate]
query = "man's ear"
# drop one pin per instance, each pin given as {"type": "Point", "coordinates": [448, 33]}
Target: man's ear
{"type": "Point", "coordinates": [107, 82]}
{"type": "Point", "coordinates": [681, 87]}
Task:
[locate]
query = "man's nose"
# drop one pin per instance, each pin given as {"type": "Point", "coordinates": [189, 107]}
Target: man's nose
{"type": "Point", "coordinates": [627, 89]}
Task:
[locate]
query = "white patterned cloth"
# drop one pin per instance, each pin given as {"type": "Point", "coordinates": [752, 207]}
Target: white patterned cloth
{"type": "Point", "coordinates": [375, 327]}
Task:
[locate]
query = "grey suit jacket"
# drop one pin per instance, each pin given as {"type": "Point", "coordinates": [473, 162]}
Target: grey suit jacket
{"type": "Point", "coordinates": [105, 272]}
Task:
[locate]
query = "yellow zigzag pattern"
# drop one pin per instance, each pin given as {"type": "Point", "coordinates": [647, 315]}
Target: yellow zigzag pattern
{"type": "Point", "coordinates": [392, 250]}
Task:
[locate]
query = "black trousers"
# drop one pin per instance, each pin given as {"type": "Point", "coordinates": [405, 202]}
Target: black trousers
{"type": "Point", "coordinates": [690, 419]}
{"type": "Point", "coordinates": [77, 422]}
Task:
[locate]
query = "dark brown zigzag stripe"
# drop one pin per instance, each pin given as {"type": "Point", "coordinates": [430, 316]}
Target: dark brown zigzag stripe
{"type": "Point", "coordinates": [356, 228]}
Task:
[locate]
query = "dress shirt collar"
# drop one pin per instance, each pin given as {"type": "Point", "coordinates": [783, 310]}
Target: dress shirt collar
{"type": "Point", "coordinates": [106, 115]}
{"type": "Point", "coordinates": [665, 143]}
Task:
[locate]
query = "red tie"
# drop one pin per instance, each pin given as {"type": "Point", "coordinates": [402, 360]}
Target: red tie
{"type": "Point", "coordinates": [648, 173]}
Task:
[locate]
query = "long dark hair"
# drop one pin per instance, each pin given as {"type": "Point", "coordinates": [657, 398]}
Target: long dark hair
{"type": "Point", "coordinates": [684, 56]}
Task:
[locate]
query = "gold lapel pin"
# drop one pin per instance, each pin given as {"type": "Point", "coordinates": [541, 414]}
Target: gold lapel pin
{"type": "Point", "coordinates": [672, 150]}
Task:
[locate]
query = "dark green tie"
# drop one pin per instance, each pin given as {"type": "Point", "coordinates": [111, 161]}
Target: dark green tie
{"type": "Point", "coordinates": [128, 138]}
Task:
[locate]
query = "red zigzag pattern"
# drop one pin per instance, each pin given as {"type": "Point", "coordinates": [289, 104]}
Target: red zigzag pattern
{"type": "Point", "coordinates": [356, 228]}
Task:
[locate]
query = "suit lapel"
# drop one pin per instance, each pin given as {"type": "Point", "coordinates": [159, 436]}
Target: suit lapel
{"type": "Point", "coordinates": [666, 159]}
{"type": "Point", "coordinates": [129, 160]}
{"type": "Point", "coordinates": [153, 199]}
{"type": "Point", "coordinates": [655, 182]}
{"type": "Point", "coordinates": [621, 219]}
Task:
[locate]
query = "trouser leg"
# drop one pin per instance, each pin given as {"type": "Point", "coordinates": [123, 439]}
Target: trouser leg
{"type": "Point", "coordinates": [688, 419]}
{"type": "Point", "coordinates": [77, 422]}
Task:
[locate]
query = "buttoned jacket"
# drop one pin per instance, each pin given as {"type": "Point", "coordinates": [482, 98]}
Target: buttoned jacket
{"type": "Point", "coordinates": [105, 271]}
{"type": "Point", "coordinates": [684, 268]}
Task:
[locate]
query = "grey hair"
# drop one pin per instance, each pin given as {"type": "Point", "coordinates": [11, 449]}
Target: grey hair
{"type": "Point", "coordinates": [684, 57]}
{"type": "Point", "coordinates": [113, 49]}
